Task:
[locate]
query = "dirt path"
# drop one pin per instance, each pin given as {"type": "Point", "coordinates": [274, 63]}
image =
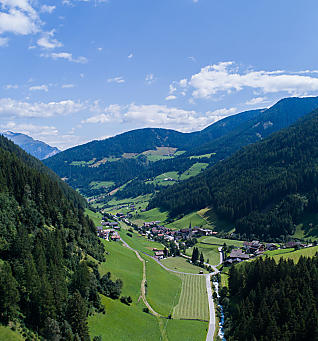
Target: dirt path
{"type": "Point", "coordinates": [143, 294]}
{"type": "Point", "coordinates": [162, 327]}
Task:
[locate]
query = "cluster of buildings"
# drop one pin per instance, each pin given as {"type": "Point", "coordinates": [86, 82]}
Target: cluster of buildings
{"type": "Point", "coordinates": [154, 229]}
{"type": "Point", "coordinates": [249, 250]}
{"type": "Point", "coordinates": [108, 234]}
{"type": "Point", "coordinates": [256, 248]}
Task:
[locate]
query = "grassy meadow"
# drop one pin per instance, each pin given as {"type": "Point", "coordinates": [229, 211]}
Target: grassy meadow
{"type": "Point", "coordinates": [193, 302]}
{"type": "Point", "coordinates": [181, 264]}
{"type": "Point", "coordinates": [295, 255]}
{"type": "Point", "coordinates": [163, 287]}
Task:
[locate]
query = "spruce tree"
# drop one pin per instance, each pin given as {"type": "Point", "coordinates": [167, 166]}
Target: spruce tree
{"type": "Point", "coordinates": [77, 316]}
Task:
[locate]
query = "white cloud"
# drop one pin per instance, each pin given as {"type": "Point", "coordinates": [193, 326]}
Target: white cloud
{"type": "Point", "coordinates": [48, 42]}
{"type": "Point", "coordinates": [226, 77]}
{"type": "Point", "coordinates": [12, 108]}
{"type": "Point", "coordinates": [118, 80]}
{"type": "Point", "coordinates": [156, 116]}
{"type": "Point", "coordinates": [30, 129]}
{"type": "Point", "coordinates": [66, 56]}
{"type": "Point", "coordinates": [130, 56]}
{"type": "Point", "coordinates": [3, 41]}
{"type": "Point", "coordinates": [39, 88]}
{"type": "Point", "coordinates": [256, 100]}
{"type": "Point", "coordinates": [150, 78]}
{"type": "Point", "coordinates": [47, 9]}
{"type": "Point", "coordinates": [100, 49]}
{"type": "Point", "coordinates": [170, 97]}
{"type": "Point", "coordinates": [18, 17]}
{"type": "Point", "coordinates": [68, 86]}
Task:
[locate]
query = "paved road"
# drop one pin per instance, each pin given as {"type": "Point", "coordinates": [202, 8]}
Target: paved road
{"type": "Point", "coordinates": [211, 330]}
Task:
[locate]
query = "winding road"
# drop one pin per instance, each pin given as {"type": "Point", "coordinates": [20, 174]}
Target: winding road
{"type": "Point", "coordinates": [211, 329]}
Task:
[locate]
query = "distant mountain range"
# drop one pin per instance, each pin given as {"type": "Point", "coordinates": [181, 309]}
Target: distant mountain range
{"type": "Point", "coordinates": [143, 155]}
{"type": "Point", "coordinates": [36, 148]}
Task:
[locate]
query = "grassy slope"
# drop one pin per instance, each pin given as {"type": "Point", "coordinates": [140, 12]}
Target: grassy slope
{"type": "Point", "coordinates": [140, 243]}
{"type": "Point", "coordinates": [186, 330]}
{"type": "Point", "coordinates": [194, 218]}
{"type": "Point", "coordinates": [180, 264]}
{"type": "Point", "coordinates": [96, 217]}
{"type": "Point", "coordinates": [193, 303]}
{"type": "Point", "coordinates": [123, 263]}
{"type": "Point", "coordinates": [193, 170]}
{"type": "Point", "coordinates": [295, 255]}
{"type": "Point", "coordinates": [6, 334]}
{"type": "Point", "coordinates": [151, 215]}
{"type": "Point", "coordinates": [124, 323]}
{"type": "Point", "coordinates": [163, 287]}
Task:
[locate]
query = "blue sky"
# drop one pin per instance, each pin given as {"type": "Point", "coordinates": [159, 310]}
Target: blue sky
{"type": "Point", "coordinates": [74, 70]}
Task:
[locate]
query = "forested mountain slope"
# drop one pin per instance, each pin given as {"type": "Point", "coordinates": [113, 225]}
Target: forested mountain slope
{"type": "Point", "coordinates": [36, 148]}
{"type": "Point", "coordinates": [275, 118]}
{"type": "Point", "coordinates": [144, 154]}
{"type": "Point", "coordinates": [269, 301]}
{"type": "Point", "coordinates": [45, 287]}
{"type": "Point", "coordinates": [264, 188]}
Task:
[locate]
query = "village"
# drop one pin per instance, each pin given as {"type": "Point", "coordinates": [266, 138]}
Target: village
{"type": "Point", "coordinates": [186, 237]}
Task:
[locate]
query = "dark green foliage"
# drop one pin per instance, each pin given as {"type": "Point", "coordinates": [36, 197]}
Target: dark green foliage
{"type": "Point", "coordinates": [76, 315]}
{"type": "Point", "coordinates": [9, 294]}
{"type": "Point", "coordinates": [110, 288]}
{"type": "Point", "coordinates": [195, 255]}
{"type": "Point", "coordinates": [134, 189]}
{"type": "Point", "coordinates": [44, 235]}
{"type": "Point", "coordinates": [264, 188]}
{"type": "Point", "coordinates": [269, 301]}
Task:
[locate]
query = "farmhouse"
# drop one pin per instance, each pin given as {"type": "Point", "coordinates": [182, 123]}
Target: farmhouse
{"type": "Point", "coordinates": [159, 254]}
{"type": "Point", "coordinates": [236, 256]}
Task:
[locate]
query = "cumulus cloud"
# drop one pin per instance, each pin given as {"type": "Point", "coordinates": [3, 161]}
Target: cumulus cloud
{"type": "Point", "coordinates": [18, 17]}
{"type": "Point", "coordinates": [42, 87]}
{"type": "Point", "coordinates": [47, 41]}
{"type": "Point", "coordinates": [66, 56]}
{"type": "Point", "coordinates": [156, 116]}
{"type": "Point", "coordinates": [13, 108]}
{"type": "Point", "coordinates": [227, 77]}
{"type": "Point", "coordinates": [118, 80]}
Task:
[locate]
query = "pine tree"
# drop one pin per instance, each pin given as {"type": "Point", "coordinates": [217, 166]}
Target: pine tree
{"type": "Point", "coordinates": [195, 255]}
{"type": "Point", "coordinates": [9, 294]}
{"type": "Point", "coordinates": [201, 259]}
{"type": "Point", "coordinates": [77, 316]}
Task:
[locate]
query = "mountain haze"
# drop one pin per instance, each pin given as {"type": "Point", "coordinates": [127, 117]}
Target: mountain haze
{"type": "Point", "coordinates": [36, 148]}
